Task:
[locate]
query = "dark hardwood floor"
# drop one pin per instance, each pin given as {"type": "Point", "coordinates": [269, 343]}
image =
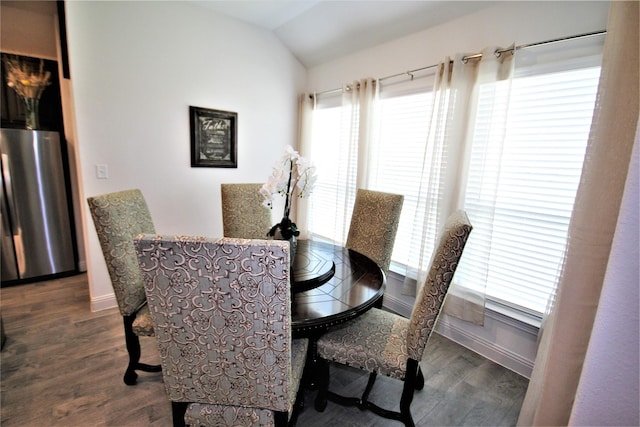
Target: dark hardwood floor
{"type": "Point", "coordinates": [62, 365]}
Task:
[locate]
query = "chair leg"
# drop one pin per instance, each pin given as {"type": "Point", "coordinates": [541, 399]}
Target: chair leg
{"type": "Point", "coordinates": [410, 384]}
{"type": "Point", "coordinates": [367, 389]}
{"type": "Point", "coordinates": [420, 379]}
{"type": "Point", "coordinates": [178, 409]}
{"type": "Point", "coordinates": [323, 384]}
{"type": "Point", "coordinates": [280, 418]}
{"type": "Point", "coordinates": [133, 348]}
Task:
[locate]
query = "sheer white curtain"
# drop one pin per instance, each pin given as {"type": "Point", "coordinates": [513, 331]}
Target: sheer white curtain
{"type": "Point", "coordinates": [305, 126]}
{"type": "Point", "coordinates": [564, 343]}
{"type": "Point", "coordinates": [449, 149]}
{"type": "Point", "coordinates": [343, 158]}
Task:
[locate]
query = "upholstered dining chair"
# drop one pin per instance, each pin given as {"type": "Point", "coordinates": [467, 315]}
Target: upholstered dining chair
{"type": "Point", "coordinates": [381, 342]}
{"type": "Point", "coordinates": [374, 224]}
{"type": "Point", "coordinates": [243, 215]}
{"type": "Point", "coordinates": [119, 217]}
{"type": "Point", "coordinates": [221, 309]}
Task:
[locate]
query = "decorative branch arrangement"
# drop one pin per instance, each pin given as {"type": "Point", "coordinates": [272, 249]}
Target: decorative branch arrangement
{"type": "Point", "coordinates": [29, 81]}
{"type": "Point", "coordinates": [25, 78]}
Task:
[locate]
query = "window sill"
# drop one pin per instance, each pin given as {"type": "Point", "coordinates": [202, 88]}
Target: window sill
{"type": "Point", "coordinates": [493, 308]}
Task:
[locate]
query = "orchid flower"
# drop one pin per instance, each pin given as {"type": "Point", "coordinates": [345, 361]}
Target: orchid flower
{"type": "Point", "coordinates": [291, 174]}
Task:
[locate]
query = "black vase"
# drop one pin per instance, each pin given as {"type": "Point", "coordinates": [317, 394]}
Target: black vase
{"type": "Point", "coordinates": [286, 230]}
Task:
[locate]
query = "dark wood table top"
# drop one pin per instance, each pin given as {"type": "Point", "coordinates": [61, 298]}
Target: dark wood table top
{"type": "Point", "coordinates": [312, 266]}
{"type": "Point", "coordinates": [335, 284]}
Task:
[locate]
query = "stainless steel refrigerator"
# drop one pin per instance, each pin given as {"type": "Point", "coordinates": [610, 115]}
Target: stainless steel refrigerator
{"type": "Point", "coordinates": [37, 235]}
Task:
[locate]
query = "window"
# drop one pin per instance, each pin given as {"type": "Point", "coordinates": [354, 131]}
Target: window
{"type": "Point", "coordinates": [400, 140]}
{"type": "Point", "coordinates": [331, 126]}
{"type": "Point", "coordinates": [549, 121]}
{"type": "Point", "coordinates": [550, 109]}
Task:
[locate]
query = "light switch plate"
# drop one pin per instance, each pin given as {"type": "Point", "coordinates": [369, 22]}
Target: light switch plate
{"type": "Point", "coordinates": [102, 171]}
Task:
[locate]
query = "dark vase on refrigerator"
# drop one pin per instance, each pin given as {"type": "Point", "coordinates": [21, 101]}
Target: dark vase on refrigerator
{"type": "Point", "coordinates": [36, 228]}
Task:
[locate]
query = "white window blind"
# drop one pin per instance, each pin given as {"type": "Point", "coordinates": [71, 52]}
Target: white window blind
{"type": "Point", "coordinates": [402, 123]}
{"type": "Point", "coordinates": [546, 135]}
{"type": "Point", "coordinates": [335, 159]}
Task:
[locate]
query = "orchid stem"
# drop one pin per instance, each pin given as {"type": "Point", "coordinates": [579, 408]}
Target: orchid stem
{"type": "Point", "coordinates": [287, 204]}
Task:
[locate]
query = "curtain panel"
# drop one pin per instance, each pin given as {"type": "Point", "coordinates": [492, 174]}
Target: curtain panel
{"type": "Point", "coordinates": [306, 104]}
{"type": "Point", "coordinates": [452, 147]}
{"type": "Point", "coordinates": [343, 156]}
{"type": "Point", "coordinates": [567, 330]}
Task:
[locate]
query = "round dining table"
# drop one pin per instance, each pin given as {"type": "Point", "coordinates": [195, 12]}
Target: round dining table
{"type": "Point", "coordinates": [331, 285]}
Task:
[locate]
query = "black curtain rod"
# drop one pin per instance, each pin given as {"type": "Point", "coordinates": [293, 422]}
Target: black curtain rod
{"type": "Point", "coordinates": [473, 56]}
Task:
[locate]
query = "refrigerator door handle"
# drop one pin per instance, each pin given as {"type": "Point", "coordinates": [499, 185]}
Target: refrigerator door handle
{"type": "Point", "coordinates": [13, 216]}
{"type": "Point", "coordinates": [8, 187]}
{"type": "Point", "coordinates": [9, 261]}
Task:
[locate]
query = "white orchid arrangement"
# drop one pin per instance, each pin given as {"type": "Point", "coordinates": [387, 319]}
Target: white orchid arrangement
{"type": "Point", "coordinates": [292, 176]}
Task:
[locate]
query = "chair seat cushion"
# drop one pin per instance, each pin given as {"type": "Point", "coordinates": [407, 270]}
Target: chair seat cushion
{"type": "Point", "coordinates": [375, 342]}
{"type": "Point", "coordinates": [142, 324]}
{"type": "Point", "coordinates": [203, 414]}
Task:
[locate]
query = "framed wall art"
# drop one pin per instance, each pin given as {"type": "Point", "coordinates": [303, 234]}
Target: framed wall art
{"type": "Point", "coordinates": [214, 138]}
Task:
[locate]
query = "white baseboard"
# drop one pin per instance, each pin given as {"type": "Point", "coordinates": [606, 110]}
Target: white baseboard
{"type": "Point", "coordinates": [396, 305]}
{"type": "Point", "coordinates": [485, 348]}
{"type": "Point", "coordinates": [103, 302]}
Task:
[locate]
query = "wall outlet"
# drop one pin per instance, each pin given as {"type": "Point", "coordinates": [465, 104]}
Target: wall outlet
{"type": "Point", "coordinates": [102, 171]}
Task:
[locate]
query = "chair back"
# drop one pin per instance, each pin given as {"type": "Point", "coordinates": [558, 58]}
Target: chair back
{"type": "Point", "coordinates": [243, 215]}
{"type": "Point", "coordinates": [221, 310]}
{"type": "Point", "coordinates": [118, 218]}
{"type": "Point", "coordinates": [374, 224]}
{"type": "Point", "coordinates": [443, 265]}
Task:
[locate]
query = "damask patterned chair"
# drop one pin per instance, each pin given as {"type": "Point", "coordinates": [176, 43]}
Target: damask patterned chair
{"type": "Point", "coordinates": [381, 342]}
{"type": "Point", "coordinates": [374, 224]}
{"type": "Point", "coordinates": [243, 215]}
{"type": "Point", "coordinates": [221, 310]}
{"type": "Point", "coordinates": [118, 218]}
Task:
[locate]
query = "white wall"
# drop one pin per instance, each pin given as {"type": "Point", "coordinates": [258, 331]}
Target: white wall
{"type": "Point", "coordinates": [516, 22]}
{"type": "Point", "coordinates": [136, 67]}
{"type": "Point", "coordinates": [507, 341]}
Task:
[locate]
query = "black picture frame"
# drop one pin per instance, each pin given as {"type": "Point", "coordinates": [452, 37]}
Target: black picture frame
{"type": "Point", "coordinates": [214, 138]}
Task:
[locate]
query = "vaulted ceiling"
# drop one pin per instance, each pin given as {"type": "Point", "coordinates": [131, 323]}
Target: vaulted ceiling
{"type": "Point", "coordinates": [318, 31]}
